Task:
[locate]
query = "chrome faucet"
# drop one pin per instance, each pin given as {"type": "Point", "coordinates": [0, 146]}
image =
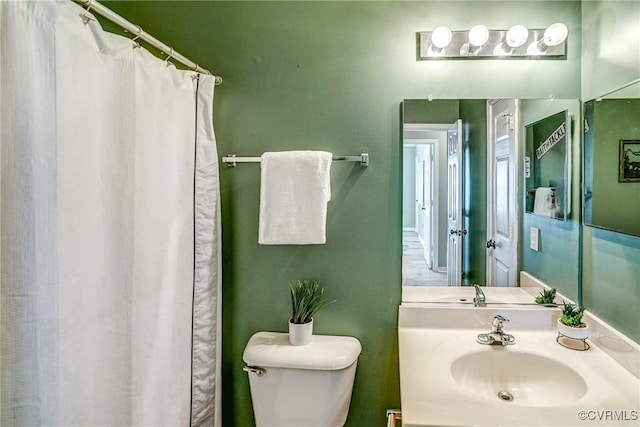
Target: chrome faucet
{"type": "Point", "coordinates": [497, 335]}
{"type": "Point", "coordinates": [480, 300]}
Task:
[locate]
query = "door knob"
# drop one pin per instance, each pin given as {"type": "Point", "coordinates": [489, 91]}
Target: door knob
{"type": "Point", "coordinates": [452, 232]}
{"type": "Point", "coordinates": [491, 244]}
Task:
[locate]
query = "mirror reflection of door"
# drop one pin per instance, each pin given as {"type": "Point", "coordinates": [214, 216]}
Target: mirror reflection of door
{"type": "Point", "coordinates": [424, 230]}
{"type": "Point", "coordinates": [454, 204]}
{"type": "Point", "coordinates": [424, 203]}
{"type": "Point", "coordinates": [502, 195]}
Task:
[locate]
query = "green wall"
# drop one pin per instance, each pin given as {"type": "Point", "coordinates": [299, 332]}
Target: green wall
{"type": "Point", "coordinates": [439, 111]}
{"type": "Point", "coordinates": [611, 261]}
{"type": "Point", "coordinates": [610, 287]}
{"type": "Point", "coordinates": [331, 76]}
{"type": "Point", "coordinates": [614, 205]}
{"type": "Point", "coordinates": [474, 194]}
{"type": "Point", "coordinates": [557, 261]}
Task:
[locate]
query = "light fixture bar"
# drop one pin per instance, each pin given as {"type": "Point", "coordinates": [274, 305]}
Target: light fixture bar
{"type": "Point", "coordinates": [495, 47]}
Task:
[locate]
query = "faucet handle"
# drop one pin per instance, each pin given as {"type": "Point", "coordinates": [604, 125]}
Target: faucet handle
{"type": "Point", "coordinates": [499, 321]}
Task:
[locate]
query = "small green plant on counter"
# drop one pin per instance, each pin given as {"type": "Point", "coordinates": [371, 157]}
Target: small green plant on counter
{"type": "Point", "coordinates": [307, 298]}
{"type": "Point", "coordinates": [547, 296]}
{"type": "Point", "coordinates": [572, 315]}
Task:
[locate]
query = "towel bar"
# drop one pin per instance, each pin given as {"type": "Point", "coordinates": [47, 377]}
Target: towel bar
{"type": "Point", "coordinates": [231, 159]}
{"type": "Point", "coordinates": [533, 190]}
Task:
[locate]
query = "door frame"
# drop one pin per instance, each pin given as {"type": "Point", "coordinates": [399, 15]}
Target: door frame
{"type": "Point", "coordinates": [490, 280]}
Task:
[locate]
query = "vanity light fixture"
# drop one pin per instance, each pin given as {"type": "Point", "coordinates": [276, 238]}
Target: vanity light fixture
{"type": "Point", "coordinates": [479, 42]}
{"type": "Point", "coordinates": [478, 36]}
{"type": "Point", "coordinates": [440, 39]}
{"type": "Point", "coordinates": [516, 36]}
{"type": "Point", "coordinates": [554, 35]}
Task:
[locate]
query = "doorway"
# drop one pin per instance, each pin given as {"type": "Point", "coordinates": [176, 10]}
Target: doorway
{"type": "Point", "coordinates": [424, 256]}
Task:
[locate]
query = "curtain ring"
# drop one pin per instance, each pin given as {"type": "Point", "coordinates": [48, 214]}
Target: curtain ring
{"type": "Point", "coordinates": [135, 43]}
{"type": "Point", "coordinates": [85, 18]}
{"type": "Point", "coordinates": [166, 61]}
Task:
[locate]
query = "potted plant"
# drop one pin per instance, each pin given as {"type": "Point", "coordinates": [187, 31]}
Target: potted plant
{"type": "Point", "coordinates": [307, 298]}
{"type": "Point", "coordinates": [570, 323]}
{"type": "Point", "coordinates": [547, 297]}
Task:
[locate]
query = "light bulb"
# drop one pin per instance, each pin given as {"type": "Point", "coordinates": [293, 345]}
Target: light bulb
{"type": "Point", "coordinates": [517, 36]}
{"type": "Point", "coordinates": [441, 37]}
{"type": "Point", "coordinates": [537, 48]}
{"type": "Point", "coordinates": [555, 34]}
{"type": "Point", "coordinates": [478, 35]}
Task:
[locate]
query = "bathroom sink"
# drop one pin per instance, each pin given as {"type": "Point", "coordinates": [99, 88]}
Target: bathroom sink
{"type": "Point", "coordinates": [533, 382]}
{"type": "Point", "coordinates": [520, 378]}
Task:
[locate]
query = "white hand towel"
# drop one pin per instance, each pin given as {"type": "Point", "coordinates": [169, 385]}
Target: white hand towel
{"type": "Point", "coordinates": [544, 202]}
{"type": "Point", "coordinates": [295, 187]}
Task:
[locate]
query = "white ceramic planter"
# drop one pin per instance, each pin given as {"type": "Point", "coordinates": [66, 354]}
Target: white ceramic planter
{"type": "Point", "coordinates": [300, 333]}
{"type": "Point", "coordinates": [573, 332]}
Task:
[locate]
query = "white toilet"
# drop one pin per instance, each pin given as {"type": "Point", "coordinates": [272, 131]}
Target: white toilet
{"type": "Point", "coordinates": [301, 386]}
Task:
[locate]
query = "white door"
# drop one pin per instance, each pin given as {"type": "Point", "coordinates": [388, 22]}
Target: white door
{"type": "Point", "coordinates": [454, 204]}
{"type": "Point", "coordinates": [502, 226]}
{"type": "Point", "coordinates": [424, 202]}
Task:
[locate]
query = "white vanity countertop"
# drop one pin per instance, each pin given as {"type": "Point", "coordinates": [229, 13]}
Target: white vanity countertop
{"type": "Point", "coordinates": [593, 389]}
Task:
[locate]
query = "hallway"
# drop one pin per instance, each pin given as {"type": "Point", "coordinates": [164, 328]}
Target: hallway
{"type": "Point", "coordinates": [415, 271]}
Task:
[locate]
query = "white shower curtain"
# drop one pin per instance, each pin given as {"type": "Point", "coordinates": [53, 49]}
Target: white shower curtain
{"type": "Point", "coordinates": [109, 229]}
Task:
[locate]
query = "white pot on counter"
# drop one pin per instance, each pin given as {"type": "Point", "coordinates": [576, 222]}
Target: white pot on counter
{"type": "Point", "coordinates": [576, 332]}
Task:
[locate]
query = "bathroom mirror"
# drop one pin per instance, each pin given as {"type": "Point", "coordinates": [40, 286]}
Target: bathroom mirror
{"type": "Point", "coordinates": [611, 193]}
{"type": "Point", "coordinates": [547, 166]}
{"type": "Point", "coordinates": [424, 182]}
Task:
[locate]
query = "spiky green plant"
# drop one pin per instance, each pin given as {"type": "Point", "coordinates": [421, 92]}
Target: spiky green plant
{"type": "Point", "coordinates": [547, 296]}
{"type": "Point", "coordinates": [572, 315]}
{"type": "Point", "coordinates": [307, 298]}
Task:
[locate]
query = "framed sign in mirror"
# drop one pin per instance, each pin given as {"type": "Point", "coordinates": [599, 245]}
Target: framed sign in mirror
{"type": "Point", "coordinates": [629, 164]}
{"type": "Point", "coordinates": [548, 166]}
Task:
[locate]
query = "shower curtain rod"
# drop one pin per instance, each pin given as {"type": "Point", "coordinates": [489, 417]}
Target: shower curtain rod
{"type": "Point", "coordinates": [231, 160]}
{"type": "Point", "coordinates": [624, 86]}
{"type": "Point", "coordinates": [140, 34]}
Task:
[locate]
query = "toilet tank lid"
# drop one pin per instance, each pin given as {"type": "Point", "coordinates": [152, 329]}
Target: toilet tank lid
{"type": "Point", "coordinates": [325, 352]}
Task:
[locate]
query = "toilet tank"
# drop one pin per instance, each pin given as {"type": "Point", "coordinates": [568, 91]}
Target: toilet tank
{"type": "Point", "coordinates": [301, 386]}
